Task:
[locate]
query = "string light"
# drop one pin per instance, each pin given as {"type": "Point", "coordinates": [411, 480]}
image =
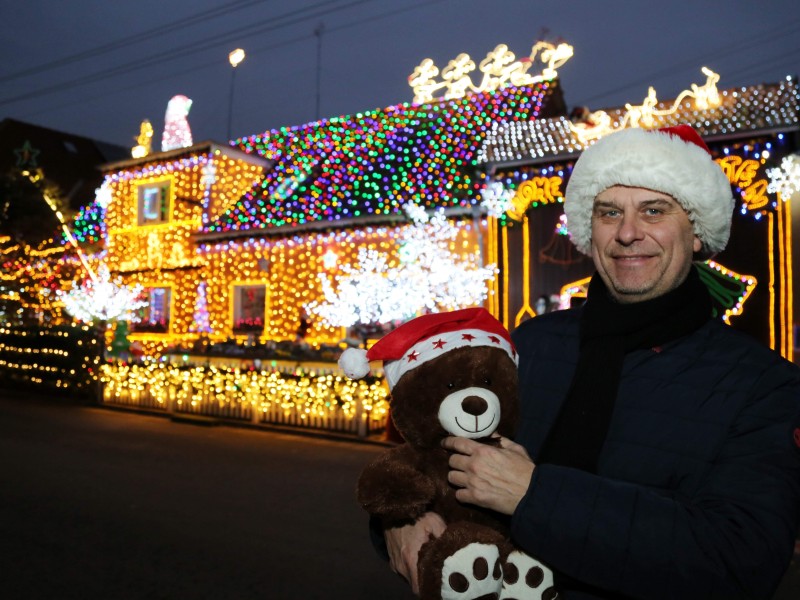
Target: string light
{"type": "Point", "coordinates": [271, 394]}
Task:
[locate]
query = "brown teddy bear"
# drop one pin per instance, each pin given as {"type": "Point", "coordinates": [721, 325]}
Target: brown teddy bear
{"type": "Point", "coordinates": [451, 373]}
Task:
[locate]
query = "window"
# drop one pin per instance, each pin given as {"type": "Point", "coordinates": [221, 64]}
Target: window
{"type": "Point", "coordinates": [248, 308]}
{"type": "Point", "coordinates": [154, 318]}
{"type": "Point", "coordinates": [153, 203]}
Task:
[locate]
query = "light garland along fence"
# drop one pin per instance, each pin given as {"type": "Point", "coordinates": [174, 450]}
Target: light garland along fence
{"type": "Point", "coordinates": [311, 398]}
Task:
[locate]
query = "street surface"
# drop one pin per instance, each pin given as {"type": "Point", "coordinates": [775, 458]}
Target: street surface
{"type": "Point", "coordinates": [97, 503]}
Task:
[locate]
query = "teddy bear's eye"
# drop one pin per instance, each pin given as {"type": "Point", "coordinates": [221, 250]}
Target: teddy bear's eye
{"type": "Point", "coordinates": [487, 381]}
{"type": "Point", "coordinates": [451, 385]}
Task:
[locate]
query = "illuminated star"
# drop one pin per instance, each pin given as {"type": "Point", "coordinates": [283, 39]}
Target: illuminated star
{"type": "Point", "coordinates": [413, 356]}
{"type": "Point", "coordinates": [439, 344]}
{"type": "Point", "coordinates": [26, 156]}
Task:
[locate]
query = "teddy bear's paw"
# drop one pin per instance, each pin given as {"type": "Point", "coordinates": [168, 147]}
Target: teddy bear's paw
{"type": "Point", "coordinates": [525, 578]}
{"type": "Point", "coordinates": [472, 573]}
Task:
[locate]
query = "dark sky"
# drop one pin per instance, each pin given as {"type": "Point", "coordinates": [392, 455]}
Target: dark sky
{"type": "Point", "coordinates": [97, 68]}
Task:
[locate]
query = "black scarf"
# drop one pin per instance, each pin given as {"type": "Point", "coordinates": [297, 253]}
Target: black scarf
{"type": "Point", "coordinates": [608, 331]}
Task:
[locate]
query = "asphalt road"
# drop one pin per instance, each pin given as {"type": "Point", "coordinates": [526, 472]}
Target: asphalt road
{"type": "Point", "coordinates": [96, 503]}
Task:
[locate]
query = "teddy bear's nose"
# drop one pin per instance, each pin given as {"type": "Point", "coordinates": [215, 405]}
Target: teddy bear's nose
{"type": "Point", "coordinates": [474, 405]}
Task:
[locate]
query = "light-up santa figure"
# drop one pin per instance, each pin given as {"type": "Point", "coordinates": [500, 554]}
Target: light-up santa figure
{"type": "Point", "coordinates": [177, 133]}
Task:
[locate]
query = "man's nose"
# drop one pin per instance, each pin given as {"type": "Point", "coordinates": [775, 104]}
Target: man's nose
{"type": "Point", "coordinates": [630, 229]}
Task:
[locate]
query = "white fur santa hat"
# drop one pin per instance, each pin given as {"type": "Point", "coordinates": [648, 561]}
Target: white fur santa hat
{"type": "Point", "coordinates": [426, 338]}
{"type": "Point", "coordinates": [672, 160]}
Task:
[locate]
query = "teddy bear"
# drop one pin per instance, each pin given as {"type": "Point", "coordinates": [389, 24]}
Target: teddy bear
{"type": "Point", "coordinates": [449, 374]}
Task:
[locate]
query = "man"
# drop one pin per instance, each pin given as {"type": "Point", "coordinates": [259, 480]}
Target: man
{"type": "Point", "coordinates": [658, 455]}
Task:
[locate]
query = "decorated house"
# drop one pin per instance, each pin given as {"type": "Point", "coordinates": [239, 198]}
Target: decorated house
{"type": "Point", "coordinates": [229, 242]}
{"type": "Point", "coordinates": [261, 259]}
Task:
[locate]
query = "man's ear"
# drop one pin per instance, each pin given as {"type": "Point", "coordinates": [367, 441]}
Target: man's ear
{"type": "Point", "coordinates": [697, 244]}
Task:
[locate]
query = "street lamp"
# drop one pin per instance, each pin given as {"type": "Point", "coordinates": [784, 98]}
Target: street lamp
{"type": "Point", "coordinates": [235, 58]}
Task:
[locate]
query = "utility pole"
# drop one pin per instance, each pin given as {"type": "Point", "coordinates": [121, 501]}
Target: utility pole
{"type": "Point", "coordinates": [235, 57]}
{"type": "Point", "coordinates": [318, 32]}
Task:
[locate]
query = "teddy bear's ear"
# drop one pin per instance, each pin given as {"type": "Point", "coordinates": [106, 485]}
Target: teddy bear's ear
{"type": "Point", "coordinates": [354, 363]}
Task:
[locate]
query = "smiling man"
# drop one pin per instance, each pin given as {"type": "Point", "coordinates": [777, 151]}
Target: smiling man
{"type": "Point", "coordinates": [643, 242]}
{"type": "Point", "coordinates": [658, 454]}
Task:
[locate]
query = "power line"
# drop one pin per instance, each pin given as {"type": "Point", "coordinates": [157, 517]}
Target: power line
{"type": "Point", "coordinates": [289, 18]}
{"type": "Point", "coordinates": [170, 28]}
{"type": "Point", "coordinates": [273, 46]}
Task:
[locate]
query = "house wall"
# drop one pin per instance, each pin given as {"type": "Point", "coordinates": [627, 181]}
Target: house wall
{"type": "Point", "coordinates": [289, 265]}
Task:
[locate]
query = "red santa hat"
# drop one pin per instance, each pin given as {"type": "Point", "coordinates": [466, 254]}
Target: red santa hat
{"type": "Point", "coordinates": [672, 160]}
{"type": "Point", "coordinates": [426, 338]}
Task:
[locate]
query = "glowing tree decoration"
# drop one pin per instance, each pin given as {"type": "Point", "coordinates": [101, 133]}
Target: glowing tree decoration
{"type": "Point", "coordinates": [785, 180]}
{"type": "Point", "coordinates": [177, 133]}
{"type": "Point", "coordinates": [201, 323]}
{"type": "Point", "coordinates": [429, 277]}
{"type": "Point", "coordinates": [100, 299]}
{"type": "Point", "coordinates": [367, 293]}
{"type": "Point", "coordinates": [496, 199]}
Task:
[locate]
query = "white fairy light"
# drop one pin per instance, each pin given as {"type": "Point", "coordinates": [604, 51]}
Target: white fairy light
{"type": "Point", "coordinates": [429, 277]}
{"type": "Point", "coordinates": [101, 299]}
{"type": "Point", "coordinates": [786, 179]}
{"type": "Point", "coordinates": [496, 199]}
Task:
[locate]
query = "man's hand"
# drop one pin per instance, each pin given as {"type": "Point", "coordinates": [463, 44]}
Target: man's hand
{"type": "Point", "coordinates": [403, 544]}
{"type": "Point", "coordinates": [492, 477]}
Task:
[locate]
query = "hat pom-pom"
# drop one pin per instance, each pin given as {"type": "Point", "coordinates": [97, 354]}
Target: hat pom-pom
{"type": "Point", "coordinates": [354, 363]}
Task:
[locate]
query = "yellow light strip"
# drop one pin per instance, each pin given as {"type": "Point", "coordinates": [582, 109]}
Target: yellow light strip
{"type": "Point", "coordinates": [770, 250]}
{"type": "Point", "coordinates": [526, 308]}
{"type": "Point", "coordinates": [505, 276]}
{"type": "Point", "coordinates": [492, 250]}
{"type": "Point", "coordinates": [781, 267]}
{"type": "Point", "coordinates": [789, 281]}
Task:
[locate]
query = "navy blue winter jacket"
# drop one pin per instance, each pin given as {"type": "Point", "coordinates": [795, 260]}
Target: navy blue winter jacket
{"type": "Point", "coordinates": [697, 493]}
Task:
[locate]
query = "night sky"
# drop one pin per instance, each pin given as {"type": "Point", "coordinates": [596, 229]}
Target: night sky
{"type": "Point", "coordinates": [97, 68]}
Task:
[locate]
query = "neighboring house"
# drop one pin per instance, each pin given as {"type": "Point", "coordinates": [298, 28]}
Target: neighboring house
{"type": "Point", "coordinates": [41, 171]}
{"type": "Point", "coordinates": [67, 161]}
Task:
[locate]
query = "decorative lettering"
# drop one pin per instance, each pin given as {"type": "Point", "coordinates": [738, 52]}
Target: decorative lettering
{"type": "Point", "coordinates": [742, 173]}
{"type": "Point", "coordinates": [538, 190]}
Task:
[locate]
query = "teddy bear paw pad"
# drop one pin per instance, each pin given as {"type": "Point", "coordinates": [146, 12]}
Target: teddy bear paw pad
{"type": "Point", "coordinates": [472, 573]}
{"type": "Point", "coordinates": [526, 578]}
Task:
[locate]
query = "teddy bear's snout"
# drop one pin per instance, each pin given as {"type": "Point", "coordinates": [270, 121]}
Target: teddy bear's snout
{"type": "Point", "coordinates": [472, 412]}
{"type": "Point", "coordinates": [474, 405]}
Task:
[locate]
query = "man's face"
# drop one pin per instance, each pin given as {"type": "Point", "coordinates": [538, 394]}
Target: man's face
{"type": "Point", "coordinates": [642, 242]}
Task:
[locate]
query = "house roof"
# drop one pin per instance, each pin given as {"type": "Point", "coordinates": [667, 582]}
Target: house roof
{"type": "Point", "coordinates": [742, 112]}
{"type": "Point", "coordinates": [366, 166]}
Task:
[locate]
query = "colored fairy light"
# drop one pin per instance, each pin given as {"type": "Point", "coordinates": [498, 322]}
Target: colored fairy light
{"type": "Point", "coordinates": [370, 163]}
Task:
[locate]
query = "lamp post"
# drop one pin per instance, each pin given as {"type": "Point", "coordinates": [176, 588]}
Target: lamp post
{"type": "Point", "coordinates": [235, 58]}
